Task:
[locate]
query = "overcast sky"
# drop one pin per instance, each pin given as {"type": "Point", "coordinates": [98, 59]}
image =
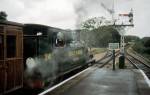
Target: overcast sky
{"type": "Point", "coordinates": [66, 13]}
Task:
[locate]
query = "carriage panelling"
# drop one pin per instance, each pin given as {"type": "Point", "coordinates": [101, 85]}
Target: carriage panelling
{"type": "Point", "coordinates": [2, 76]}
{"type": "Point", "coordinates": [2, 65]}
{"type": "Point", "coordinates": [11, 58]}
{"type": "Point", "coordinates": [14, 73]}
{"type": "Point", "coordinates": [19, 67]}
{"type": "Point", "coordinates": [10, 74]}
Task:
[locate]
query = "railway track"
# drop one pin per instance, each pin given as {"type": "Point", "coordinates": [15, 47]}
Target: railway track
{"type": "Point", "coordinates": [139, 64]}
{"type": "Point", "coordinates": [140, 56]}
{"type": "Point", "coordinates": [106, 59]}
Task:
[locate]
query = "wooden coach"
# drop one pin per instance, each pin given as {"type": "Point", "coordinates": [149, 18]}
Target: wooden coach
{"type": "Point", "coordinates": [11, 56]}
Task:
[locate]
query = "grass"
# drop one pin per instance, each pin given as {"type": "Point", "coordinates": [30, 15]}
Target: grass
{"type": "Point", "coordinates": [98, 50]}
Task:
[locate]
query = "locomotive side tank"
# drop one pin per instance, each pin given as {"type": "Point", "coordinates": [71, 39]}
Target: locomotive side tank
{"type": "Point", "coordinates": [49, 53]}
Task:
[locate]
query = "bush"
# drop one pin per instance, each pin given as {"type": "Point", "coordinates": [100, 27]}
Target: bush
{"type": "Point", "coordinates": [146, 50]}
{"type": "Point", "coordinates": [140, 47]}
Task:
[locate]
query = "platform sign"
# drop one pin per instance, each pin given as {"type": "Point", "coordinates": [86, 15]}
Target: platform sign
{"type": "Point", "coordinates": [113, 46]}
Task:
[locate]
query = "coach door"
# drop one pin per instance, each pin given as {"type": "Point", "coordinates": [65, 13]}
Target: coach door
{"type": "Point", "coordinates": [14, 58]}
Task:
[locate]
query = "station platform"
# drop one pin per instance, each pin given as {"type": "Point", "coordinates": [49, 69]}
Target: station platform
{"type": "Point", "coordinates": [96, 81]}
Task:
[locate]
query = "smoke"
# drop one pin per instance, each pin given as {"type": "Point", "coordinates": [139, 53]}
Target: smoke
{"type": "Point", "coordinates": [38, 68]}
{"type": "Point", "coordinates": [84, 9]}
{"type": "Point", "coordinates": [81, 12]}
{"type": "Point", "coordinates": [46, 68]}
{"type": "Point", "coordinates": [48, 65]}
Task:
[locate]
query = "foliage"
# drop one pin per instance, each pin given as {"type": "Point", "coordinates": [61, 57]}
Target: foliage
{"type": "Point", "coordinates": [94, 23]}
{"type": "Point", "coordinates": [146, 42]}
{"type": "Point", "coordinates": [98, 32]}
{"type": "Point", "coordinates": [142, 46]}
{"type": "Point", "coordinates": [3, 16]}
{"type": "Point", "coordinates": [130, 38]}
{"type": "Point", "coordinates": [98, 50]}
{"type": "Point", "coordinates": [138, 46]}
{"type": "Point", "coordinates": [100, 37]}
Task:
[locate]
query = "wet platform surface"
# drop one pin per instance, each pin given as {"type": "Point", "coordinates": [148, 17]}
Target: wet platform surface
{"type": "Point", "coordinates": [106, 82]}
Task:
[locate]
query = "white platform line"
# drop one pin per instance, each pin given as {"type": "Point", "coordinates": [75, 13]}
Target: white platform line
{"type": "Point", "coordinates": [145, 77]}
{"type": "Point", "coordinates": [63, 82]}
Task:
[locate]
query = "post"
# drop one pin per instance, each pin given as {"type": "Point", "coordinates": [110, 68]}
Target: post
{"type": "Point", "coordinates": [122, 62]}
{"type": "Point", "coordinates": [122, 51]}
{"type": "Point", "coordinates": [113, 59]}
{"type": "Point", "coordinates": [122, 44]}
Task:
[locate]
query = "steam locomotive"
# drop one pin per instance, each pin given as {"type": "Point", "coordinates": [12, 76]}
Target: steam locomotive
{"type": "Point", "coordinates": [36, 55]}
{"type": "Point", "coordinates": [49, 53]}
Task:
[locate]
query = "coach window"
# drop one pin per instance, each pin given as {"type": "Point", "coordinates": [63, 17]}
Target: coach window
{"type": "Point", "coordinates": [1, 47]}
{"type": "Point", "coordinates": [11, 46]}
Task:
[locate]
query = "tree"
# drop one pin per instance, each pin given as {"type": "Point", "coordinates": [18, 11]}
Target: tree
{"type": "Point", "coordinates": [146, 41]}
{"type": "Point", "coordinates": [96, 32]}
{"type": "Point", "coordinates": [130, 38]}
{"type": "Point", "coordinates": [3, 16]}
{"type": "Point", "coordinates": [100, 37]}
{"type": "Point", "coordinates": [143, 45]}
{"type": "Point", "coordinates": [105, 35]}
{"type": "Point", "coordinates": [93, 23]}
